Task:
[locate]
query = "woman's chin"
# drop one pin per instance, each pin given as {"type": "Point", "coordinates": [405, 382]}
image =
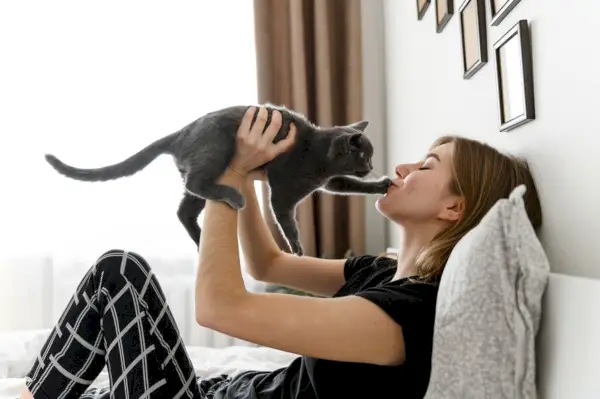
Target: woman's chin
{"type": "Point", "coordinates": [387, 207]}
{"type": "Point", "coordinates": [382, 206]}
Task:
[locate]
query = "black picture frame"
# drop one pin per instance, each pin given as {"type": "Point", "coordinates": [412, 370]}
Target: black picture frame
{"type": "Point", "coordinates": [499, 14]}
{"type": "Point", "coordinates": [422, 9]}
{"type": "Point", "coordinates": [481, 34]}
{"type": "Point", "coordinates": [440, 23]}
{"type": "Point", "coordinates": [522, 70]}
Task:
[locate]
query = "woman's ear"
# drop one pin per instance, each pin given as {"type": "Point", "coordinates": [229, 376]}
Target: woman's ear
{"type": "Point", "coordinates": [453, 211]}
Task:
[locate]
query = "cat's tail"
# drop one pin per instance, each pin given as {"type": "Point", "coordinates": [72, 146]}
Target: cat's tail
{"type": "Point", "coordinates": [128, 167]}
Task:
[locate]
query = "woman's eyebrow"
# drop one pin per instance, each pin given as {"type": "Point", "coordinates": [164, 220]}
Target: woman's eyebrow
{"type": "Point", "coordinates": [432, 155]}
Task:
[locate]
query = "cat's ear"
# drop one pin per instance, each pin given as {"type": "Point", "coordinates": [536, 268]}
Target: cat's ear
{"type": "Point", "coordinates": [360, 126]}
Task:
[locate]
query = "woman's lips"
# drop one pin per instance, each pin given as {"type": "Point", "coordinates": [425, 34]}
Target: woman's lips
{"type": "Point", "coordinates": [395, 184]}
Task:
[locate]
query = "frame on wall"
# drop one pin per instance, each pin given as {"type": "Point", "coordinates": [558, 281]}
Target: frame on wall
{"type": "Point", "coordinates": [514, 75]}
{"type": "Point", "coordinates": [422, 6]}
{"type": "Point", "coordinates": [473, 31]}
{"type": "Point", "coordinates": [444, 9]}
{"type": "Point", "coordinates": [500, 9]}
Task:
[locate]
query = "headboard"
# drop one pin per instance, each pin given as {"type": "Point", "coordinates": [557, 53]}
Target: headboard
{"type": "Point", "coordinates": [568, 344]}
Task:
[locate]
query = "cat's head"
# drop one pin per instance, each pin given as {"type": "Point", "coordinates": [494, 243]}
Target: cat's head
{"type": "Point", "coordinates": [351, 151]}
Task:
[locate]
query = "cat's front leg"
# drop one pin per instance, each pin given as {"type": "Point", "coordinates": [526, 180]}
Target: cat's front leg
{"type": "Point", "coordinates": [284, 211]}
{"type": "Point", "coordinates": [350, 185]}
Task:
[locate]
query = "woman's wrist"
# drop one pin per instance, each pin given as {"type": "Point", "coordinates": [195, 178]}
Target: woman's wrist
{"type": "Point", "coordinates": [238, 171]}
{"type": "Point", "coordinates": [233, 178]}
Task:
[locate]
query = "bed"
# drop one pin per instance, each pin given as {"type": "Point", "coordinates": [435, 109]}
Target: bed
{"type": "Point", "coordinates": [54, 280]}
{"type": "Point", "coordinates": [568, 347]}
{"type": "Point", "coordinates": [18, 349]}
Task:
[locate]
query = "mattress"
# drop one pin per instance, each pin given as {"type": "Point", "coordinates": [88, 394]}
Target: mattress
{"type": "Point", "coordinates": [19, 348]}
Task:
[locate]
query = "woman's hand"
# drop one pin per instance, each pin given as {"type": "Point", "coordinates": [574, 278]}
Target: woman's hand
{"type": "Point", "coordinates": [255, 148]}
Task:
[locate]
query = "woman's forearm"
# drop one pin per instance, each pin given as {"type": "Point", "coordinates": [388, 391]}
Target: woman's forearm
{"type": "Point", "coordinates": [259, 246]}
{"type": "Point", "coordinates": [219, 279]}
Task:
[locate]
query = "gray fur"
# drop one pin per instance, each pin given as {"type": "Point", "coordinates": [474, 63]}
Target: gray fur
{"type": "Point", "coordinates": [321, 158]}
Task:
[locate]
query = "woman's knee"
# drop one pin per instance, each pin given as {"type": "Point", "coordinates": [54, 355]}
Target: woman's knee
{"type": "Point", "coordinates": [120, 261]}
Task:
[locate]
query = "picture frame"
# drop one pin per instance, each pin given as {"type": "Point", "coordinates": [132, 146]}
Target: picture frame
{"type": "Point", "coordinates": [473, 31]}
{"type": "Point", "coordinates": [422, 6]}
{"type": "Point", "coordinates": [444, 9]}
{"type": "Point", "coordinates": [514, 76]}
{"type": "Point", "coordinates": [500, 9]}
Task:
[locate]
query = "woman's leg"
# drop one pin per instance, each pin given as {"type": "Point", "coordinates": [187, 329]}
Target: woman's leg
{"type": "Point", "coordinates": [118, 316]}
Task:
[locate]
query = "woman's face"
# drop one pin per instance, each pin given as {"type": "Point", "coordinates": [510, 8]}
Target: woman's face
{"type": "Point", "coordinates": [421, 190]}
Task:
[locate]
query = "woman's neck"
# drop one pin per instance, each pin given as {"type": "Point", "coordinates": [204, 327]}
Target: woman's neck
{"type": "Point", "coordinates": [412, 241]}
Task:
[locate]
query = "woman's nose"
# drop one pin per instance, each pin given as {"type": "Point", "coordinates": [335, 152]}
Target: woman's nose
{"type": "Point", "coordinates": [405, 169]}
{"type": "Point", "coordinates": [402, 171]}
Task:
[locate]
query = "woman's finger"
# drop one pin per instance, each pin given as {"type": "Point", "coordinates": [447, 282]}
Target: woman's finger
{"type": "Point", "coordinates": [246, 123]}
{"type": "Point", "coordinates": [259, 124]}
{"type": "Point", "coordinates": [269, 135]}
{"type": "Point", "coordinates": [285, 144]}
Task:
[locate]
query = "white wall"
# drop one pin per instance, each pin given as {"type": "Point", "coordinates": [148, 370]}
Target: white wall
{"type": "Point", "coordinates": [427, 97]}
{"type": "Point", "coordinates": [374, 110]}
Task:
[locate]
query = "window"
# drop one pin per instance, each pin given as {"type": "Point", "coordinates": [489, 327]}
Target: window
{"type": "Point", "coordinates": [93, 83]}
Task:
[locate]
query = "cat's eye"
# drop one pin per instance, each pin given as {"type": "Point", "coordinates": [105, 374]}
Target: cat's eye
{"type": "Point", "coordinates": [362, 155]}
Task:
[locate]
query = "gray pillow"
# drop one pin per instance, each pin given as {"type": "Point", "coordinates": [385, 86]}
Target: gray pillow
{"type": "Point", "coordinates": [489, 307]}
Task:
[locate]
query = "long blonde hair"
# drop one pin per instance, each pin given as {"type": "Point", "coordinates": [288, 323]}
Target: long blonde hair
{"type": "Point", "coordinates": [481, 175]}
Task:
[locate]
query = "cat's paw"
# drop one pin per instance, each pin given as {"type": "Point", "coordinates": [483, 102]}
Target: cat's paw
{"type": "Point", "coordinates": [236, 201]}
{"type": "Point", "coordinates": [383, 185]}
{"type": "Point", "coordinates": [296, 248]}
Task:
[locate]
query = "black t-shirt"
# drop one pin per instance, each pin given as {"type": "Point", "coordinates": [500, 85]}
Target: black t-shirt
{"type": "Point", "coordinates": [410, 304]}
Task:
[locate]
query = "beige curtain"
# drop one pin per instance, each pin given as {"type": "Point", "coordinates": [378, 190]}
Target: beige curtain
{"type": "Point", "coordinates": [309, 59]}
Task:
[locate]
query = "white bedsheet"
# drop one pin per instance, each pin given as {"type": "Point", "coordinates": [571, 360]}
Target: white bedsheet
{"type": "Point", "coordinates": [18, 349]}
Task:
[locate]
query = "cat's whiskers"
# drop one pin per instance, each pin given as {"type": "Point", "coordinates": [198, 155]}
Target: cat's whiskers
{"type": "Point", "coordinates": [372, 175]}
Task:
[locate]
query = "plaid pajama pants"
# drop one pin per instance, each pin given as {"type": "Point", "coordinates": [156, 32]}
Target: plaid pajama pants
{"type": "Point", "coordinates": [118, 317]}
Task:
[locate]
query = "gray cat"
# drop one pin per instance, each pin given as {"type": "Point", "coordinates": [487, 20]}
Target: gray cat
{"type": "Point", "coordinates": [321, 158]}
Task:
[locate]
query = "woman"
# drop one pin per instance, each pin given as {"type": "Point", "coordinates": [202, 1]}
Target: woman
{"type": "Point", "coordinates": [370, 337]}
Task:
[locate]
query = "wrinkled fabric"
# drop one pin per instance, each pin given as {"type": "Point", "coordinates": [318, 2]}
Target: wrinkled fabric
{"type": "Point", "coordinates": [488, 309]}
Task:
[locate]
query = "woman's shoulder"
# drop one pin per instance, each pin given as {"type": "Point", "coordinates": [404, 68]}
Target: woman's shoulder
{"type": "Point", "coordinates": [365, 271]}
{"type": "Point", "coordinates": [366, 263]}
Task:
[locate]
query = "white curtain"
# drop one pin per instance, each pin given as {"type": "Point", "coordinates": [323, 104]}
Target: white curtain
{"type": "Point", "coordinates": [92, 83]}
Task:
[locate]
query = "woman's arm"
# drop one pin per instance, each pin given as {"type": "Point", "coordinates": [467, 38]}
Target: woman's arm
{"type": "Point", "coordinates": [349, 329]}
{"type": "Point", "coordinates": [266, 262]}
{"type": "Point", "coordinates": [260, 249]}
{"type": "Point", "coordinates": [346, 329]}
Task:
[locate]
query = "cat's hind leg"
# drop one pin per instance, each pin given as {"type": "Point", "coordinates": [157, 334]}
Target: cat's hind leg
{"type": "Point", "coordinates": [199, 185]}
{"type": "Point", "coordinates": [190, 208]}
